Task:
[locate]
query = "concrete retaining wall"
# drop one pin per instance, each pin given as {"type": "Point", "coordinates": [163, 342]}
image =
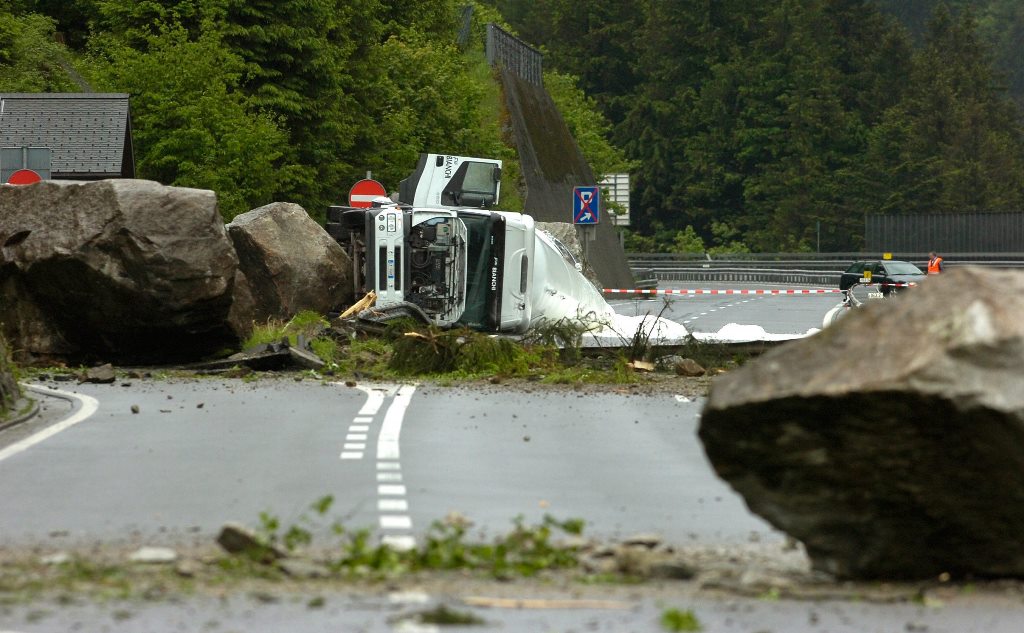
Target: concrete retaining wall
{"type": "Point", "coordinates": [552, 165]}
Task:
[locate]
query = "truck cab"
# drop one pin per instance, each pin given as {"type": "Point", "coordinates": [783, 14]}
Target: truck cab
{"type": "Point", "coordinates": [441, 248]}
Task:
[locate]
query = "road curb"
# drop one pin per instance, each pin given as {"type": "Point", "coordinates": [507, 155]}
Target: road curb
{"type": "Point", "coordinates": [29, 409]}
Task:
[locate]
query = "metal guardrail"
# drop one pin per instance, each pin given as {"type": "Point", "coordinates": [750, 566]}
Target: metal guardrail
{"type": "Point", "coordinates": [783, 268]}
{"type": "Point", "coordinates": [751, 275]}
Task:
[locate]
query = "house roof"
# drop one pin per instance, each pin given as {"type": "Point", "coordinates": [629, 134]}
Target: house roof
{"type": "Point", "coordinates": [89, 134]}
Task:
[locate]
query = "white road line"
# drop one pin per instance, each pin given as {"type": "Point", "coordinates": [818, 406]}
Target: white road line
{"type": "Point", "coordinates": [89, 405]}
{"type": "Point", "coordinates": [391, 428]}
{"type": "Point", "coordinates": [400, 543]}
{"type": "Point", "coordinates": [395, 522]}
{"type": "Point", "coordinates": [374, 398]}
{"type": "Point", "coordinates": [355, 441]}
{"type": "Point", "coordinates": [390, 491]}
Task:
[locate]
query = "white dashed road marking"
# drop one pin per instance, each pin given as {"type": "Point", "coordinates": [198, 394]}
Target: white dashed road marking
{"type": "Point", "coordinates": [355, 441]}
{"type": "Point", "coordinates": [392, 506]}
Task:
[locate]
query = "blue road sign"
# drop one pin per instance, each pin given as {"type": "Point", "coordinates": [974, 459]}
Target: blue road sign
{"type": "Point", "coordinates": [586, 205]}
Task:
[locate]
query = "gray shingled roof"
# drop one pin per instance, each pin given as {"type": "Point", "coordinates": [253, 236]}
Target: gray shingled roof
{"type": "Point", "coordinates": [88, 133]}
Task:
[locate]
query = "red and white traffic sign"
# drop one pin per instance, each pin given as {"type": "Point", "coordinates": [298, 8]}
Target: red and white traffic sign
{"type": "Point", "coordinates": [23, 177]}
{"type": "Point", "coordinates": [364, 191]}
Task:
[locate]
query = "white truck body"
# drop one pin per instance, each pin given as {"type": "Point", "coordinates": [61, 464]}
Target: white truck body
{"type": "Point", "coordinates": [441, 248]}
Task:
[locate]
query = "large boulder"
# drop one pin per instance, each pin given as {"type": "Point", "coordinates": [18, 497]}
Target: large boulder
{"type": "Point", "coordinates": [892, 442]}
{"type": "Point", "coordinates": [290, 262]}
{"type": "Point", "coordinates": [124, 270]}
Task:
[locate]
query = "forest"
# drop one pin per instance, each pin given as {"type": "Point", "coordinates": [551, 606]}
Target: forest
{"type": "Point", "coordinates": [746, 126]}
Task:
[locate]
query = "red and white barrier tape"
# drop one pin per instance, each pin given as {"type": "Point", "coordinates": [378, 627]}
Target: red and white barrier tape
{"type": "Point", "coordinates": [706, 291]}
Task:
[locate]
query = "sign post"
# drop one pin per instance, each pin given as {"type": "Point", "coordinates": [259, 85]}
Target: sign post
{"type": "Point", "coordinates": [586, 212]}
{"type": "Point", "coordinates": [363, 193]}
{"type": "Point", "coordinates": [586, 205]}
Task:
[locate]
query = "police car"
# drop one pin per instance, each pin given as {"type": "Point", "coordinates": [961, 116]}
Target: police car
{"type": "Point", "coordinates": [887, 275]}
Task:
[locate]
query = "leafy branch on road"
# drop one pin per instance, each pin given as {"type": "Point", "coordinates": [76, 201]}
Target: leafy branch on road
{"type": "Point", "coordinates": [525, 551]}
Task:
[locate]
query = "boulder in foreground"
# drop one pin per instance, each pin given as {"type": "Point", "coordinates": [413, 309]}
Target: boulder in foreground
{"type": "Point", "coordinates": [891, 443]}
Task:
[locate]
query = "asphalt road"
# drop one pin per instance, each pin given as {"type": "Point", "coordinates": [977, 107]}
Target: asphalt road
{"type": "Point", "coordinates": [156, 463]}
{"type": "Point", "coordinates": [201, 453]}
{"type": "Point", "coordinates": [775, 313]}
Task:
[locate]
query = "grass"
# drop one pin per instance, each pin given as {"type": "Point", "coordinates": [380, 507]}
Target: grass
{"type": "Point", "coordinates": [551, 353]}
{"type": "Point", "coordinates": [525, 551]}
{"type": "Point", "coordinates": [678, 620]}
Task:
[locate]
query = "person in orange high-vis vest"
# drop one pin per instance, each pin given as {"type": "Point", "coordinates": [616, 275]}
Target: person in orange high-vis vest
{"type": "Point", "coordinates": [934, 264]}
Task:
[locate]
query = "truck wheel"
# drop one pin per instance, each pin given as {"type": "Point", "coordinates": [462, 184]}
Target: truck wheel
{"type": "Point", "coordinates": [350, 219]}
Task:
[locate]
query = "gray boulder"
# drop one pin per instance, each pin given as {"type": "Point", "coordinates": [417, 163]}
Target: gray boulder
{"type": "Point", "coordinates": [891, 443]}
{"type": "Point", "coordinates": [123, 270]}
{"type": "Point", "coordinates": [290, 261]}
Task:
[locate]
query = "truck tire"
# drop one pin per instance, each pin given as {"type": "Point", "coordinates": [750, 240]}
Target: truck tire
{"type": "Point", "coordinates": [349, 218]}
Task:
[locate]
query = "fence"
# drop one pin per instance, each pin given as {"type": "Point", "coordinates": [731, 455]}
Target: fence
{"type": "Point", "coordinates": [810, 269]}
{"type": "Point", "coordinates": [946, 232]}
{"type": "Point", "coordinates": [515, 55]}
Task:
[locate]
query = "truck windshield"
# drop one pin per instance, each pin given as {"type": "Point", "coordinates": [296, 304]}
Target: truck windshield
{"type": "Point", "coordinates": [474, 184]}
{"type": "Point", "coordinates": [485, 251]}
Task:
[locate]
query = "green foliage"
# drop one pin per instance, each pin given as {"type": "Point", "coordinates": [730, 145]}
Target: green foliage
{"type": "Point", "coordinates": [463, 352]}
{"type": "Point", "coordinates": [678, 620]}
{"type": "Point", "coordinates": [587, 124]}
{"type": "Point", "coordinates": [746, 126]}
{"type": "Point", "coordinates": [777, 126]}
{"type": "Point", "coordinates": [30, 59]}
{"type": "Point", "coordinates": [525, 551]}
{"type": "Point", "coordinates": [214, 138]}
{"type": "Point", "coordinates": [311, 325]}
{"type": "Point", "coordinates": [296, 535]}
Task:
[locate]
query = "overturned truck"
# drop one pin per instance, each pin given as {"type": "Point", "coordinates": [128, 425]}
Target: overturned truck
{"type": "Point", "coordinates": [439, 253]}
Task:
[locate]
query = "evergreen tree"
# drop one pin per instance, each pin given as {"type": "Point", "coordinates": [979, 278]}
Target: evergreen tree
{"type": "Point", "coordinates": [954, 142]}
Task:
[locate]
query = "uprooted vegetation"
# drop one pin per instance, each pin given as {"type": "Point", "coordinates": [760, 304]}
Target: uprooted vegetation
{"type": "Point", "coordinates": [406, 348]}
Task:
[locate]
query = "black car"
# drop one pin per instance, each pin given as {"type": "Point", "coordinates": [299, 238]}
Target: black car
{"type": "Point", "coordinates": [887, 274]}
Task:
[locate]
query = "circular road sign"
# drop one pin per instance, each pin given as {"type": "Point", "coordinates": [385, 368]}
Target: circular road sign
{"type": "Point", "coordinates": [23, 177]}
{"type": "Point", "coordinates": [364, 191]}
